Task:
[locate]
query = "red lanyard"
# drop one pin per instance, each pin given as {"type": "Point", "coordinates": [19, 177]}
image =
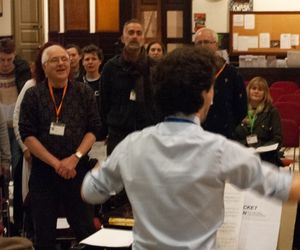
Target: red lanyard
{"type": "Point", "coordinates": [220, 71]}
{"type": "Point", "coordinates": [57, 109]}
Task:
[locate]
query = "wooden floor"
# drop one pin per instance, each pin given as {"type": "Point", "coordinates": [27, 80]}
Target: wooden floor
{"type": "Point", "coordinates": [288, 215]}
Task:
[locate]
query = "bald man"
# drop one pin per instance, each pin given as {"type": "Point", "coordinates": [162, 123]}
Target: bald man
{"type": "Point", "coordinates": [229, 105]}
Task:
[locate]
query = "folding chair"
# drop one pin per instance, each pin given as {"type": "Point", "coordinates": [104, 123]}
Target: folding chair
{"type": "Point", "coordinates": [276, 93]}
{"type": "Point", "coordinates": [288, 86]}
{"type": "Point", "coordinates": [290, 98]}
{"type": "Point", "coordinates": [290, 132]}
{"type": "Point", "coordinates": [297, 91]}
{"type": "Point", "coordinates": [289, 110]}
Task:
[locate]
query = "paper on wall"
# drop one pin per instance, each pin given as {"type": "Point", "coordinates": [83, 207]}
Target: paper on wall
{"type": "Point", "coordinates": [238, 20]}
{"type": "Point", "coordinates": [264, 40]}
{"type": "Point", "coordinates": [249, 22]}
{"type": "Point", "coordinates": [243, 43]}
{"type": "Point", "coordinates": [285, 41]}
{"type": "Point", "coordinates": [294, 40]}
{"type": "Point", "coordinates": [235, 42]}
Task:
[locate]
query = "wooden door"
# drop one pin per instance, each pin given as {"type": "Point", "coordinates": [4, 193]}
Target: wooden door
{"type": "Point", "coordinates": [28, 27]}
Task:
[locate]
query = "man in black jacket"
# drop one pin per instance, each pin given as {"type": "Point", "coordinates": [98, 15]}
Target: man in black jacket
{"type": "Point", "coordinates": [126, 92]}
{"type": "Point", "coordinates": [229, 105]}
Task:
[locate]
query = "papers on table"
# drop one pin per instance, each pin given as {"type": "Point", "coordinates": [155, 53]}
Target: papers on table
{"type": "Point", "coordinates": [108, 237]}
{"type": "Point", "coordinates": [268, 148]}
{"type": "Point", "coordinates": [62, 223]}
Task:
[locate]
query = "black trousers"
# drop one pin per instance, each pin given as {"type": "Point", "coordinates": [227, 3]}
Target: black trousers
{"type": "Point", "coordinates": [113, 139]}
{"type": "Point", "coordinates": [45, 205]}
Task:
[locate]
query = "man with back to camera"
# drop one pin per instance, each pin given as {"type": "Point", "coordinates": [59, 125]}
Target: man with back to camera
{"type": "Point", "coordinates": [126, 92]}
{"type": "Point", "coordinates": [175, 172]}
{"type": "Point", "coordinates": [229, 106]}
{"type": "Point", "coordinates": [58, 122]}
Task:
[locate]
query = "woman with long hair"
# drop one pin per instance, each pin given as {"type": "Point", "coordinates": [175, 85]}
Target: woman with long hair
{"type": "Point", "coordinates": [261, 126]}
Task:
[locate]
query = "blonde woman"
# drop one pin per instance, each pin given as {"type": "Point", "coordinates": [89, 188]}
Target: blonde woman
{"type": "Point", "coordinates": [261, 126]}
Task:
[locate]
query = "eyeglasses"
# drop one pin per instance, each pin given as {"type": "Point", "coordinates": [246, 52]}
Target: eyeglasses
{"type": "Point", "coordinates": [205, 42]}
{"type": "Point", "coordinates": [55, 60]}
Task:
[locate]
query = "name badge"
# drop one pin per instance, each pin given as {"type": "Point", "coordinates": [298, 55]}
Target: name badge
{"type": "Point", "coordinates": [57, 128]}
{"type": "Point", "coordinates": [132, 96]}
{"type": "Point", "coordinates": [251, 139]}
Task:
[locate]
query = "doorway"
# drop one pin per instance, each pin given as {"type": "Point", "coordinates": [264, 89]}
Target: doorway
{"type": "Point", "coordinates": [168, 21]}
{"type": "Point", "coordinates": [28, 27]}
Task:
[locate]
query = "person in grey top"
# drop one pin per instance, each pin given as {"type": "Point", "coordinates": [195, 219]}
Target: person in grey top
{"type": "Point", "coordinates": [5, 156]}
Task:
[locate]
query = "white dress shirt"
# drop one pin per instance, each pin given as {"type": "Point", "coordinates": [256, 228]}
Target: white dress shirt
{"type": "Point", "coordinates": [174, 174]}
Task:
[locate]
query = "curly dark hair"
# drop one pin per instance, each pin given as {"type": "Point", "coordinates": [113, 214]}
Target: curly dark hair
{"type": "Point", "coordinates": [181, 77]}
{"type": "Point", "coordinates": [92, 48]}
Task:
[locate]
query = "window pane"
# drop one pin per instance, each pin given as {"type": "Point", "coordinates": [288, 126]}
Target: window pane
{"type": "Point", "coordinates": [174, 24]}
{"type": "Point", "coordinates": [172, 46]}
{"type": "Point", "coordinates": [149, 19]}
{"type": "Point", "coordinates": [107, 16]}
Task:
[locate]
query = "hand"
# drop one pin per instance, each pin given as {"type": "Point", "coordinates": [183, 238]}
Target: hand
{"type": "Point", "coordinates": [60, 170]}
{"type": "Point", "coordinates": [67, 167]}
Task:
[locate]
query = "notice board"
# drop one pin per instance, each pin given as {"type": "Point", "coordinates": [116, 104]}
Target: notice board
{"type": "Point", "coordinates": [268, 33]}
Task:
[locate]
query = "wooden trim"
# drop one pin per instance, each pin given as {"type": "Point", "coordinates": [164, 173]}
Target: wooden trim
{"type": "Point", "coordinates": [76, 15]}
{"type": "Point", "coordinates": [53, 14]}
{"type": "Point", "coordinates": [107, 16]}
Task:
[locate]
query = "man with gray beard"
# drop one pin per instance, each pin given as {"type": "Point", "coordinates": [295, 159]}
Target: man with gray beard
{"type": "Point", "coordinates": [126, 92]}
{"type": "Point", "coordinates": [126, 95]}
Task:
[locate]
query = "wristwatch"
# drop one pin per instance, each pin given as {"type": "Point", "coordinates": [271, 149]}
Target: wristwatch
{"type": "Point", "coordinates": [78, 154]}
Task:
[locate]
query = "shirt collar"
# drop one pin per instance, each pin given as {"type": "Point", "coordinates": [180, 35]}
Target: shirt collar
{"type": "Point", "coordinates": [193, 118]}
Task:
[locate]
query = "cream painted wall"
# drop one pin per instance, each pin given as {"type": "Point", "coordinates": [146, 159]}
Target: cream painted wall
{"type": "Point", "coordinates": [276, 5]}
{"type": "Point", "coordinates": [217, 11]}
{"type": "Point", "coordinates": [6, 19]}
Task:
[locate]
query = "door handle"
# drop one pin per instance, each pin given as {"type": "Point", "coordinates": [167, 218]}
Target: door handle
{"type": "Point", "coordinates": [36, 26]}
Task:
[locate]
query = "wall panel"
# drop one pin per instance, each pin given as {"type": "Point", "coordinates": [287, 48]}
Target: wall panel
{"type": "Point", "coordinates": [76, 15]}
{"type": "Point", "coordinates": [53, 15]}
{"type": "Point", "coordinates": [107, 16]}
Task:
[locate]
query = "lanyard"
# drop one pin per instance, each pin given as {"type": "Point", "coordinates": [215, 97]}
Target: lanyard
{"type": "Point", "coordinates": [176, 119]}
{"type": "Point", "coordinates": [57, 109]}
{"type": "Point", "coordinates": [220, 71]}
{"type": "Point", "coordinates": [252, 119]}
